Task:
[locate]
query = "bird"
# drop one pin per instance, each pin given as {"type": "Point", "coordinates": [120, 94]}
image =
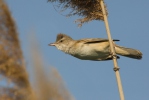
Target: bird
{"type": "Point", "coordinates": [95, 49]}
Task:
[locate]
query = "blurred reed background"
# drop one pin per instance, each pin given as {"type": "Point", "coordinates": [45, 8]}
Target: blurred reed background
{"type": "Point", "coordinates": [15, 82]}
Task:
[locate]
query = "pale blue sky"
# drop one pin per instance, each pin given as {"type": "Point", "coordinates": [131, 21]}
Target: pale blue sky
{"type": "Point", "coordinates": [90, 80]}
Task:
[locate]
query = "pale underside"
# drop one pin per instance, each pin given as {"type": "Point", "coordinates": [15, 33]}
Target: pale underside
{"type": "Point", "coordinates": [92, 51]}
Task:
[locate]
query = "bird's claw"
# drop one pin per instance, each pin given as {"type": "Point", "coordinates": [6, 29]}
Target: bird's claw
{"type": "Point", "coordinates": [113, 55]}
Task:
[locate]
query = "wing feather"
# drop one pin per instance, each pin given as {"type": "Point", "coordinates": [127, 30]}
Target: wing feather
{"type": "Point", "coordinates": [95, 40]}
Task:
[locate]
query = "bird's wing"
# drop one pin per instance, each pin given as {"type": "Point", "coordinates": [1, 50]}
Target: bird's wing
{"type": "Point", "coordinates": [95, 40]}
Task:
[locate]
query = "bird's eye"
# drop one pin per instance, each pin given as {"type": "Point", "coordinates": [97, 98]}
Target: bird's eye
{"type": "Point", "coordinates": [61, 40]}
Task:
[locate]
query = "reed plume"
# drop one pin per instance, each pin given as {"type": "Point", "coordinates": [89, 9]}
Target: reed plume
{"type": "Point", "coordinates": [88, 9]}
{"type": "Point", "coordinates": [12, 65]}
{"type": "Point", "coordinates": [13, 69]}
{"type": "Point", "coordinates": [48, 85]}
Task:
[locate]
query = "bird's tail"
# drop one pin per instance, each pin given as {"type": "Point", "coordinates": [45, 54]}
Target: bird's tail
{"type": "Point", "coordinates": [128, 52]}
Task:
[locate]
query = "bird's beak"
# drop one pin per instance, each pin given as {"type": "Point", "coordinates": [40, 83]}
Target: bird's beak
{"type": "Point", "coordinates": [51, 44]}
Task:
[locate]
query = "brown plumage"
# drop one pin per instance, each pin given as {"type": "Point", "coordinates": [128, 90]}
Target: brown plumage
{"type": "Point", "coordinates": [97, 49]}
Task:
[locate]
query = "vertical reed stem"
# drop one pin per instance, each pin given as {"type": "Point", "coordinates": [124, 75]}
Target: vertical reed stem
{"type": "Point", "coordinates": [116, 68]}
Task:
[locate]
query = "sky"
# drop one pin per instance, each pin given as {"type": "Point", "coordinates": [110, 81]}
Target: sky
{"type": "Point", "coordinates": [90, 80]}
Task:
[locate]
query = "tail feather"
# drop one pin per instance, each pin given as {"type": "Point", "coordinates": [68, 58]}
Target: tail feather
{"type": "Point", "coordinates": [128, 52]}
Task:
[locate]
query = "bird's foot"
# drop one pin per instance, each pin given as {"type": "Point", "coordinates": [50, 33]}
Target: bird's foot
{"type": "Point", "coordinates": [113, 55]}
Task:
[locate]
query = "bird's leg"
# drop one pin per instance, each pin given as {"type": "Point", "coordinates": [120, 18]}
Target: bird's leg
{"type": "Point", "coordinates": [113, 55]}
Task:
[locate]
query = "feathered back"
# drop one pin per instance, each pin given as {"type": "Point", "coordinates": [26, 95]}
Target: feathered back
{"type": "Point", "coordinates": [60, 36]}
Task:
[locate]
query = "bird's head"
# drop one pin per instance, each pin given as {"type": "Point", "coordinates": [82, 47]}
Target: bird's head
{"type": "Point", "coordinates": [62, 41]}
